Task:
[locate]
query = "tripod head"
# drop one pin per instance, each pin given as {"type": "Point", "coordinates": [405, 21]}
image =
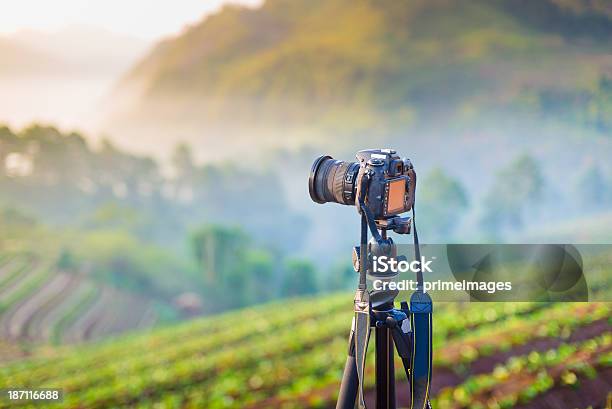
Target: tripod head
{"type": "Point", "coordinates": [383, 247]}
{"type": "Point", "coordinates": [398, 224]}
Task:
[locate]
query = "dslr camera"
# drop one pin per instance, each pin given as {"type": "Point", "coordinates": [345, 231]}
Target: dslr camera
{"type": "Point", "coordinates": [389, 190]}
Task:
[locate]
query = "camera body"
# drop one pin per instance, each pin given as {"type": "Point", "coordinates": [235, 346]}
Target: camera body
{"type": "Point", "coordinates": [390, 189]}
{"type": "Point", "coordinates": [392, 182]}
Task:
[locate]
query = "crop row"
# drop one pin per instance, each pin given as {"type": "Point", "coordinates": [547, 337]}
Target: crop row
{"type": "Point", "coordinates": [556, 322]}
{"type": "Point", "coordinates": [23, 286]}
{"type": "Point", "coordinates": [14, 280]}
{"type": "Point", "coordinates": [67, 313]}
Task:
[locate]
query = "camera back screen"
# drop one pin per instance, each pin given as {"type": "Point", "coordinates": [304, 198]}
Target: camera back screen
{"type": "Point", "coordinates": [395, 200]}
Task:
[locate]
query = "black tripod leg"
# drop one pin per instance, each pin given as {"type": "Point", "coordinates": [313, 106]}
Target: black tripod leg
{"type": "Point", "coordinates": [385, 369]}
{"type": "Point", "coordinates": [348, 388]}
{"type": "Point", "coordinates": [401, 338]}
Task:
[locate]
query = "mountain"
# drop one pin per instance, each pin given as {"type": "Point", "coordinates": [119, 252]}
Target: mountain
{"type": "Point", "coordinates": [401, 63]}
{"type": "Point", "coordinates": [19, 59]}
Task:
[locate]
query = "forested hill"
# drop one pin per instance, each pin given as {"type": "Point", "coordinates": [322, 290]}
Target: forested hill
{"type": "Point", "coordinates": [409, 60]}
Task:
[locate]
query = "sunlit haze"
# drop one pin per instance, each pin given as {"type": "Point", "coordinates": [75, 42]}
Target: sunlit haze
{"type": "Point", "coordinates": [141, 18]}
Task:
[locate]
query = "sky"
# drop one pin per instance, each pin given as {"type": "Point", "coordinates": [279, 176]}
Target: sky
{"type": "Point", "coordinates": [147, 19]}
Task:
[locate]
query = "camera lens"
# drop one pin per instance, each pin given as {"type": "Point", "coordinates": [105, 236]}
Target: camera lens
{"type": "Point", "coordinates": [333, 181]}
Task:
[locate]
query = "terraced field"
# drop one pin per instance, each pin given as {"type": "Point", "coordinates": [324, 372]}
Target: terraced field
{"type": "Point", "coordinates": [291, 355]}
{"type": "Point", "coordinates": [39, 303]}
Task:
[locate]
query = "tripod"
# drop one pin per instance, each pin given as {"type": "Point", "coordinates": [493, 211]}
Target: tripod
{"type": "Point", "coordinates": [408, 329]}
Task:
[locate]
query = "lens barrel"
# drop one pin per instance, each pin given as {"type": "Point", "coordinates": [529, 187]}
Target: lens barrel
{"type": "Point", "coordinates": [333, 181]}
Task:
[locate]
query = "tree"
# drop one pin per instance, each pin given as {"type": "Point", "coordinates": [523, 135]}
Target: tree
{"type": "Point", "coordinates": [517, 186]}
{"type": "Point", "coordinates": [592, 189]}
{"type": "Point", "coordinates": [299, 278]}
{"type": "Point", "coordinates": [441, 203]}
{"type": "Point", "coordinates": [235, 275]}
{"type": "Point", "coordinates": [183, 162]}
{"type": "Point", "coordinates": [217, 250]}
{"type": "Point", "coordinates": [260, 268]}
{"type": "Point", "coordinates": [340, 277]}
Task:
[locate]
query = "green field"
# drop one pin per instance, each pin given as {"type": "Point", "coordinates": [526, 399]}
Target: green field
{"type": "Point", "coordinates": [291, 354]}
{"type": "Point", "coordinates": [159, 247]}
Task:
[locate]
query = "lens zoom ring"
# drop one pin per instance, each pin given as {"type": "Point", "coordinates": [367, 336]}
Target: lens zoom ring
{"type": "Point", "coordinates": [338, 182]}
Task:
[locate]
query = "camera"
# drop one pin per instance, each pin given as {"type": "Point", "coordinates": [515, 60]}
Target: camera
{"type": "Point", "coordinates": [391, 182]}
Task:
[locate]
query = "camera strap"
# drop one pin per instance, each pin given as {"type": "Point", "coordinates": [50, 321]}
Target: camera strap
{"type": "Point", "coordinates": [361, 320]}
{"type": "Point", "coordinates": [417, 251]}
{"type": "Point", "coordinates": [421, 309]}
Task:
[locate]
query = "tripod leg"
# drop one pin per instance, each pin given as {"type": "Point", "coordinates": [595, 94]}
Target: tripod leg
{"type": "Point", "coordinates": [385, 369]}
{"type": "Point", "coordinates": [402, 339]}
{"type": "Point", "coordinates": [348, 388]}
